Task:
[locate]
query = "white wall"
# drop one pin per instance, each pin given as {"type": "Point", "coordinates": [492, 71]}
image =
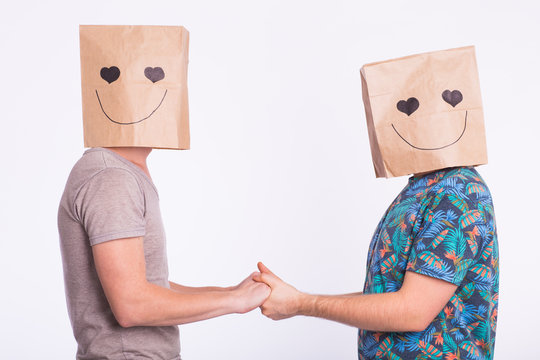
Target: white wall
{"type": "Point", "coordinates": [280, 167]}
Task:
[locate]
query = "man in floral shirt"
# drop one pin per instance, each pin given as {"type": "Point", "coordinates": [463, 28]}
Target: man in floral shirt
{"type": "Point", "coordinates": [441, 225]}
{"type": "Point", "coordinates": [432, 282]}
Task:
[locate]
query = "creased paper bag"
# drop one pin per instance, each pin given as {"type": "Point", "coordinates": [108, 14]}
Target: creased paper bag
{"type": "Point", "coordinates": [424, 112]}
{"type": "Point", "coordinates": [134, 86]}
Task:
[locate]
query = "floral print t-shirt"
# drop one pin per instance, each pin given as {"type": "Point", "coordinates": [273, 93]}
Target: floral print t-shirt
{"type": "Point", "coordinates": [441, 225]}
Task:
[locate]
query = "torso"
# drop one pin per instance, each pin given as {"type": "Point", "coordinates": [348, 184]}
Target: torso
{"type": "Point", "coordinates": [95, 328]}
{"type": "Point", "coordinates": [441, 225]}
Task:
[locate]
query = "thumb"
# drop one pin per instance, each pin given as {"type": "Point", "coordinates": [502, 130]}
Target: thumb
{"type": "Point", "coordinates": [268, 279]}
{"type": "Point", "coordinates": [264, 269]}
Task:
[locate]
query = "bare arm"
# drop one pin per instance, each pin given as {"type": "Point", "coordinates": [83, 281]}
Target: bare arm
{"type": "Point", "coordinates": [189, 289]}
{"type": "Point", "coordinates": [134, 301]}
{"type": "Point", "coordinates": [412, 308]}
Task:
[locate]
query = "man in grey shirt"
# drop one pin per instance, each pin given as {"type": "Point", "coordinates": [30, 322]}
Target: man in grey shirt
{"type": "Point", "coordinates": [120, 301]}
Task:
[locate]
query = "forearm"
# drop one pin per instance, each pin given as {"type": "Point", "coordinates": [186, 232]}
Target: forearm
{"type": "Point", "coordinates": [412, 308]}
{"type": "Point", "coordinates": [193, 290]}
{"type": "Point", "coordinates": [153, 305]}
{"type": "Point", "coordinates": [134, 301]}
{"type": "Point", "coordinates": [374, 312]}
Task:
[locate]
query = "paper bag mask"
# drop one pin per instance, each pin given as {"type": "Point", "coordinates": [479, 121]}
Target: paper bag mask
{"type": "Point", "coordinates": [424, 112]}
{"type": "Point", "coordinates": [134, 86]}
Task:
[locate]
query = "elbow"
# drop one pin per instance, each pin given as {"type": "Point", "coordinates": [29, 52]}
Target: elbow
{"type": "Point", "coordinates": [125, 323]}
{"type": "Point", "coordinates": [420, 324]}
{"type": "Point", "coordinates": [126, 319]}
{"type": "Point", "coordinates": [129, 314]}
{"type": "Point", "coordinates": [130, 307]}
{"type": "Point", "coordinates": [415, 318]}
{"type": "Point", "coordinates": [418, 321]}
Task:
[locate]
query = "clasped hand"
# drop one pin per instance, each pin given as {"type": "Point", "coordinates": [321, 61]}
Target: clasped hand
{"type": "Point", "coordinates": [277, 299]}
{"type": "Point", "coordinates": [284, 300]}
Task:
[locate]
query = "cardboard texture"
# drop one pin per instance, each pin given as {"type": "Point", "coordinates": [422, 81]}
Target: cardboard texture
{"type": "Point", "coordinates": [134, 86]}
{"type": "Point", "coordinates": [424, 112]}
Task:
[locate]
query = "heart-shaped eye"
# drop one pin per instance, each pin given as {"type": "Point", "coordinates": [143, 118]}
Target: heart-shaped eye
{"type": "Point", "coordinates": [110, 74]}
{"type": "Point", "coordinates": [154, 74]}
{"type": "Point", "coordinates": [452, 97]}
{"type": "Point", "coordinates": [409, 106]}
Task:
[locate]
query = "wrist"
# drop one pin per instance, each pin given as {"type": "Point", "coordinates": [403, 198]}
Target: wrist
{"type": "Point", "coordinates": [306, 304]}
{"type": "Point", "coordinates": [235, 300]}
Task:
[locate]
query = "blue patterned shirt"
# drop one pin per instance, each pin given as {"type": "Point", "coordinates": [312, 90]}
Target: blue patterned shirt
{"type": "Point", "coordinates": [441, 225]}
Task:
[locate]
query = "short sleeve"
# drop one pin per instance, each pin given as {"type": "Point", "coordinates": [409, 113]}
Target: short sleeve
{"type": "Point", "coordinates": [111, 206]}
{"type": "Point", "coordinates": [446, 242]}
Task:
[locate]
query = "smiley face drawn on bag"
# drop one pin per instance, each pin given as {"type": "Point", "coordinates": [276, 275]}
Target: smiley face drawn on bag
{"type": "Point", "coordinates": [410, 105]}
{"type": "Point", "coordinates": [111, 74]}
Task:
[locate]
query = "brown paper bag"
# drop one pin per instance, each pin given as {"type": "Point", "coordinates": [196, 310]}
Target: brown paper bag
{"type": "Point", "coordinates": [424, 112]}
{"type": "Point", "coordinates": [134, 86]}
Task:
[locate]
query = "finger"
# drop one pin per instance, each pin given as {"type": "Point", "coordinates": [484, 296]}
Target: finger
{"type": "Point", "coordinates": [268, 279]}
{"type": "Point", "coordinates": [259, 278]}
{"type": "Point", "coordinates": [265, 311]}
{"type": "Point", "coordinates": [264, 269]}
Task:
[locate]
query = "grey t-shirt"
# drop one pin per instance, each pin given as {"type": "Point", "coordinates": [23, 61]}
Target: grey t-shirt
{"type": "Point", "coordinates": [107, 197]}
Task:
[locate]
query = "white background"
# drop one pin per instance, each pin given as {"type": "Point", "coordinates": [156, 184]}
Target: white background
{"type": "Point", "coordinates": [280, 167]}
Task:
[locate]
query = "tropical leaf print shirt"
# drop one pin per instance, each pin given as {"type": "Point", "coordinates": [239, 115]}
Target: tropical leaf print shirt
{"type": "Point", "coordinates": [441, 225]}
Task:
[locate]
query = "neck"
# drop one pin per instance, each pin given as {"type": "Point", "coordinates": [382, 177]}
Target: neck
{"type": "Point", "coordinates": [137, 155]}
{"type": "Point", "coordinates": [422, 173]}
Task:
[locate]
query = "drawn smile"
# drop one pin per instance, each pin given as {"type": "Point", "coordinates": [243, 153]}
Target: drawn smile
{"type": "Point", "coordinates": [133, 122]}
{"type": "Point", "coordinates": [436, 148]}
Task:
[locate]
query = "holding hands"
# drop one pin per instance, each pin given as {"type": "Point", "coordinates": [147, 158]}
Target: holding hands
{"type": "Point", "coordinates": [249, 294]}
{"type": "Point", "coordinates": [277, 299]}
{"type": "Point", "coordinates": [284, 300]}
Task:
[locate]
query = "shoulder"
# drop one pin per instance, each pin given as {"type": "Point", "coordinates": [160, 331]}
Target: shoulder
{"type": "Point", "coordinates": [463, 183]}
{"type": "Point", "coordinates": [98, 166]}
{"type": "Point", "coordinates": [97, 173]}
{"type": "Point", "coordinates": [113, 178]}
{"type": "Point", "coordinates": [463, 179]}
{"type": "Point", "coordinates": [464, 193]}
